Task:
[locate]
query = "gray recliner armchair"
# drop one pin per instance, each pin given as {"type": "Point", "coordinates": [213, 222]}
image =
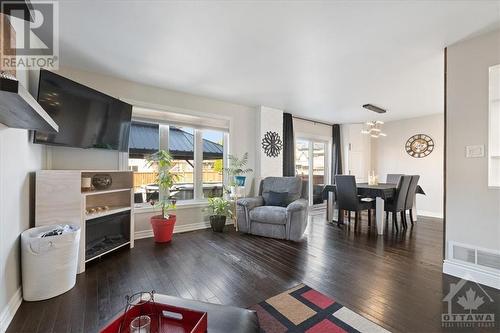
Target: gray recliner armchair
{"type": "Point", "coordinates": [289, 222]}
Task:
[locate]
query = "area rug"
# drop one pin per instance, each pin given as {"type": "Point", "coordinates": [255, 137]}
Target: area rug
{"type": "Point", "coordinates": [303, 309]}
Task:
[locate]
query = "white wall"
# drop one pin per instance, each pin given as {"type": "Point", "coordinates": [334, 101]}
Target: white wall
{"type": "Point", "coordinates": [389, 156]}
{"type": "Point", "coordinates": [472, 209]}
{"type": "Point", "coordinates": [269, 120]}
{"type": "Point", "coordinates": [356, 152]}
{"type": "Point", "coordinates": [242, 119]}
{"type": "Point", "coordinates": [311, 130]}
{"type": "Point", "coordinates": [18, 157]}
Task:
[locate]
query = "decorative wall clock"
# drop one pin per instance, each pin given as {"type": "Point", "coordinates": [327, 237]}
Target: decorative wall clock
{"type": "Point", "coordinates": [272, 144]}
{"type": "Point", "coordinates": [419, 145]}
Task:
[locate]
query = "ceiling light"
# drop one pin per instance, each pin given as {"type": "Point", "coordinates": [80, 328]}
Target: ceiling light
{"type": "Point", "coordinates": [382, 134]}
{"type": "Point", "coordinates": [374, 108]}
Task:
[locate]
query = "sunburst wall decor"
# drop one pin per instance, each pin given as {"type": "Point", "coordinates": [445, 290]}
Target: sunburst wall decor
{"type": "Point", "coordinates": [272, 144]}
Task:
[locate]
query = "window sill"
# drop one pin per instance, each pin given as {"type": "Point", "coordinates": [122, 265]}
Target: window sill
{"type": "Point", "coordinates": [186, 204]}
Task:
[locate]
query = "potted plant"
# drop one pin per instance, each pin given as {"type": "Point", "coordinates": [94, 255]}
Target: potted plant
{"type": "Point", "coordinates": [163, 225]}
{"type": "Point", "coordinates": [236, 170]}
{"type": "Point", "coordinates": [220, 209]}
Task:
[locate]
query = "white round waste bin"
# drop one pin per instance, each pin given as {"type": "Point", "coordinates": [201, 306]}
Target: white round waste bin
{"type": "Point", "coordinates": [49, 260]}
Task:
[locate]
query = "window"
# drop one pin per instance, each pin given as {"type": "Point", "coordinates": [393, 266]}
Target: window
{"type": "Point", "coordinates": [197, 178]}
{"type": "Point", "coordinates": [213, 161]}
{"type": "Point", "coordinates": [181, 141]}
{"type": "Point", "coordinates": [310, 162]}
{"type": "Point", "coordinates": [143, 141]}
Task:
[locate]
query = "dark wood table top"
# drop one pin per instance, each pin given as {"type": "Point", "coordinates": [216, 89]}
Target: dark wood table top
{"type": "Point", "coordinates": [383, 190]}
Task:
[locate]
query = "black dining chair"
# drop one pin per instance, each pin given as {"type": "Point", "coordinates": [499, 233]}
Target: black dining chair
{"type": "Point", "coordinates": [348, 199]}
{"type": "Point", "coordinates": [397, 204]}
{"type": "Point", "coordinates": [393, 178]}
{"type": "Point", "coordinates": [410, 197]}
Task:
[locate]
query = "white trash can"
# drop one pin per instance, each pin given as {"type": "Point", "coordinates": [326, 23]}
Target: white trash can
{"type": "Point", "coordinates": [49, 260]}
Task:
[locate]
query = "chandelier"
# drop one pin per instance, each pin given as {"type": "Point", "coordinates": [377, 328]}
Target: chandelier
{"type": "Point", "coordinates": [374, 129]}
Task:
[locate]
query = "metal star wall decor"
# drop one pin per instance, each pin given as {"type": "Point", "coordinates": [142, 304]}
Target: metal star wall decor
{"type": "Point", "coordinates": [272, 144]}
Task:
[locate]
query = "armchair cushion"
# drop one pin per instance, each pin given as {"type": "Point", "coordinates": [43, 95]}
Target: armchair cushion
{"type": "Point", "coordinates": [297, 205]}
{"type": "Point", "coordinates": [250, 203]}
{"type": "Point", "coordinates": [292, 185]}
{"type": "Point", "coordinates": [279, 199]}
{"type": "Point", "coordinates": [269, 214]}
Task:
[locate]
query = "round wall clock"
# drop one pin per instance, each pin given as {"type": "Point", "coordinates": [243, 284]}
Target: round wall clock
{"type": "Point", "coordinates": [419, 145]}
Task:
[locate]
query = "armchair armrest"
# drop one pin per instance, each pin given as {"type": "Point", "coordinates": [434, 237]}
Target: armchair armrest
{"type": "Point", "coordinates": [297, 205]}
{"type": "Point", "coordinates": [251, 202]}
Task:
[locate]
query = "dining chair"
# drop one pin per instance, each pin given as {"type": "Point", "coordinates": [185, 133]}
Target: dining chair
{"type": "Point", "coordinates": [397, 204]}
{"type": "Point", "coordinates": [410, 197]}
{"type": "Point", "coordinates": [393, 178]}
{"type": "Point", "coordinates": [348, 199]}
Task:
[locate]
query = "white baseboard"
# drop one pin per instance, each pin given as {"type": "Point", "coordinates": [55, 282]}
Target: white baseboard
{"type": "Point", "coordinates": [429, 214]}
{"type": "Point", "coordinates": [469, 271]}
{"type": "Point", "coordinates": [178, 229]}
{"type": "Point", "coordinates": [10, 310]}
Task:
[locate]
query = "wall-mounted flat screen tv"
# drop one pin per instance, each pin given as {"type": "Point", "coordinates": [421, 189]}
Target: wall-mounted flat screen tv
{"type": "Point", "coordinates": [86, 117]}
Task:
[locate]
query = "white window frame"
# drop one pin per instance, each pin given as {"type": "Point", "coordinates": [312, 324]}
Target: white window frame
{"type": "Point", "coordinates": [164, 128]}
{"type": "Point", "coordinates": [311, 139]}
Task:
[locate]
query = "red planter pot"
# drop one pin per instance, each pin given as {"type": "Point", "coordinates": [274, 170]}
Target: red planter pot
{"type": "Point", "coordinates": [163, 228]}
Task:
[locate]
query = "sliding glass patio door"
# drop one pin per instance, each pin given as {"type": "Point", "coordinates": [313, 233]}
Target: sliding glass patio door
{"type": "Point", "coordinates": [311, 158]}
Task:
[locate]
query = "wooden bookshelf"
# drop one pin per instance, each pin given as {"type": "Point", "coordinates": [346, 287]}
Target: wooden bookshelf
{"type": "Point", "coordinates": [60, 200]}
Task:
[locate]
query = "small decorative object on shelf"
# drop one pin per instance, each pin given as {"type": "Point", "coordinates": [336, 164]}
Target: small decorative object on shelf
{"type": "Point", "coordinates": [102, 181]}
{"type": "Point", "coordinates": [86, 184]}
{"type": "Point", "coordinates": [93, 210]}
{"type": "Point", "coordinates": [143, 314]}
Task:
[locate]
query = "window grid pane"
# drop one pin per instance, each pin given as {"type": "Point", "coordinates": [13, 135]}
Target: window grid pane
{"type": "Point", "coordinates": [213, 150]}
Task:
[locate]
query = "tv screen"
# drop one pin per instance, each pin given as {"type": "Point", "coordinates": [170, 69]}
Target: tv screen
{"type": "Point", "coordinates": [87, 118]}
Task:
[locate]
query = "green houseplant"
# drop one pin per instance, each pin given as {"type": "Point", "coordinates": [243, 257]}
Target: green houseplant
{"type": "Point", "coordinates": [236, 171]}
{"type": "Point", "coordinates": [163, 225]}
{"type": "Point", "coordinates": [220, 209]}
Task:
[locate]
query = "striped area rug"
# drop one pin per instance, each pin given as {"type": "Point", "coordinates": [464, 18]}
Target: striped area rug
{"type": "Point", "coordinates": [303, 309]}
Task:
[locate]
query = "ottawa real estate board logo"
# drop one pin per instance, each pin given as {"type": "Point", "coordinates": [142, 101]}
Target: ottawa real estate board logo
{"type": "Point", "coordinates": [468, 306]}
{"type": "Point", "coordinates": [31, 40]}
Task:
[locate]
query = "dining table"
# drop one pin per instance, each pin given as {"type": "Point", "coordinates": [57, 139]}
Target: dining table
{"type": "Point", "coordinates": [380, 192]}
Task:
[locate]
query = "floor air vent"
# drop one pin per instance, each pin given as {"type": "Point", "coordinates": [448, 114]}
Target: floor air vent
{"type": "Point", "coordinates": [480, 257]}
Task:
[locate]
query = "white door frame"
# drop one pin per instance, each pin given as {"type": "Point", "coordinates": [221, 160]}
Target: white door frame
{"type": "Point", "coordinates": [311, 139]}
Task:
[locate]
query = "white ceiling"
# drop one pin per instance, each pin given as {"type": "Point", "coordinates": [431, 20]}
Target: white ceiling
{"type": "Point", "coordinates": [320, 60]}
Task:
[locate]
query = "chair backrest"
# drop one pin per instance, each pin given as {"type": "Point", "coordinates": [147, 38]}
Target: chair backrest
{"type": "Point", "coordinates": [401, 193]}
{"type": "Point", "coordinates": [393, 178]}
{"type": "Point", "coordinates": [346, 192]}
{"type": "Point", "coordinates": [412, 189]}
{"type": "Point", "coordinates": [292, 185]}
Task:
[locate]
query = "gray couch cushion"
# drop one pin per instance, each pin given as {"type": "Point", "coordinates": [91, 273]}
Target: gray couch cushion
{"type": "Point", "coordinates": [269, 214]}
{"type": "Point", "coordinates": [292, 185]}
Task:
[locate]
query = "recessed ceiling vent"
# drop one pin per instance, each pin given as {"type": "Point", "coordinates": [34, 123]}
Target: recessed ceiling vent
{"type": "Point", "coordinates": [374, 108]}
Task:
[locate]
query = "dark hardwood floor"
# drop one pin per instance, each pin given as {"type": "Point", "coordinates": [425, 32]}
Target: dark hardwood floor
{"type": "Point", "coordinates": [395, 280]}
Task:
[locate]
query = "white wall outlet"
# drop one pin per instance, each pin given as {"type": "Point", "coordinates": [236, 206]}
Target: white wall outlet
{"type": "Point", "coordinates": [475, 151]}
